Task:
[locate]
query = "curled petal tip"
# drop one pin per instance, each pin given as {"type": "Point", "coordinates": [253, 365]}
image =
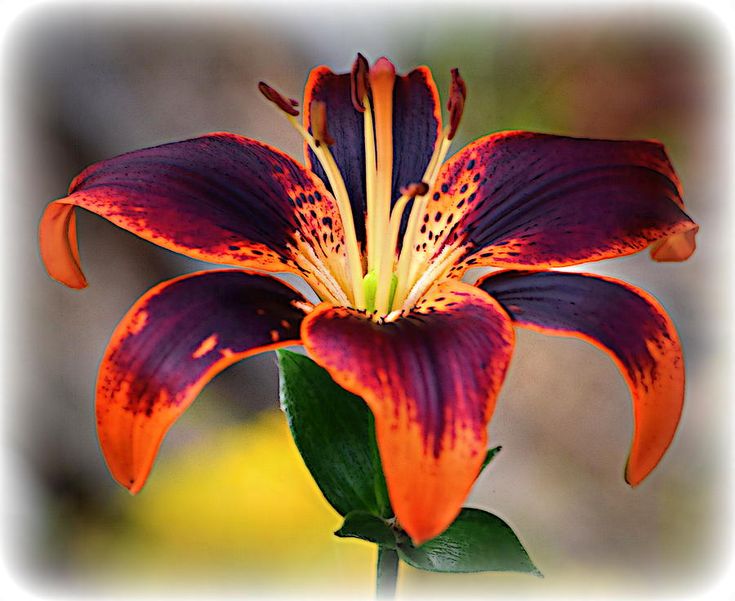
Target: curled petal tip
{"type": "Point", "coordinates": [282, 102]}
{"type": "Point", "coordinates": [134, 487]}
{"type": "Point", "coordinates": [629, 324]}
{"type": "Point", "coordinates": [58, 245]}
{"type": "Point", "coordinates": [675, 248]}
{"type": "Point", "coordinates": [150, 375]}
{"type": "Point", "coordinates": [631, 481]}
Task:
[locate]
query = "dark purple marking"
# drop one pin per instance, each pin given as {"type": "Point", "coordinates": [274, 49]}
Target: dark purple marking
{"type": "Point", "coordinates": [415, 131]}
{"type": "Point", "coordinates": [435, 357]}
{"type": "Point", "coordinates": [200, 194]}
{"type": "Point", "coordinates": [564, 200]}
{"type": "Point", "coordinates": [168, 352]}
{"type": "Point", "coordinates": [415, 127]}
{"type": "Point", "coordinates": [346, 127]}
{"type": "Point", "coordinates": [609, 313]}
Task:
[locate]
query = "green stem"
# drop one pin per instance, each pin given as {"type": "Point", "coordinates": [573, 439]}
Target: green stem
{"type": "Point", "coordinates": [386, 573]}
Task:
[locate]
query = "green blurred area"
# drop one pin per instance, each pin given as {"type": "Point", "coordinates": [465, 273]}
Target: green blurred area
{"type": "Point", "coordinates": [229, 504]}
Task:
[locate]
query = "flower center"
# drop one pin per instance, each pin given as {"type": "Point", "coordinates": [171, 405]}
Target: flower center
{"type": "Point", "coordinates": [383, 281]}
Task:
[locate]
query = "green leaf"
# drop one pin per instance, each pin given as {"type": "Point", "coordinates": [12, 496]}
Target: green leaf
{"type": "Point", "coordinates": [369, 527]}
{"type": "Point", "coordinates": [477, 541]}
{"type": "Point", "coordinates": [334, 431]}
{"type": "Point", "coordinates": [489, 457]}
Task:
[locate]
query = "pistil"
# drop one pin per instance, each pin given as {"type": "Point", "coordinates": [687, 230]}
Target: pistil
{"type": "Point", "coordinates": [382, 78]}
{"type": "Point", "coordinates": [392, 283]}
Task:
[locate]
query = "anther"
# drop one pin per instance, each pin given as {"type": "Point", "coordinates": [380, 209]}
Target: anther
{"type": "Point", "coordinates": [318, 114]}
{"type": "Point", "coordinates": [455, 105]}
{"type": "Point", "coordinates": [359, 82]}
{"type": "Point", "coordinates": [415, 189]}
{"type": "Point", "coordinates": [285, 104]}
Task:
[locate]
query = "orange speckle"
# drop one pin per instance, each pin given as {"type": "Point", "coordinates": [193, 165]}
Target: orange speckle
{"type": "Point", "coordinates": [285, 324]}
{"type": "Point", "coordinates": [275, 335]}
{"type": "Point", "coordinates": [138, 322]}
{"type": "Point", "coordinates": [260, 311]}
{"type": "Point", "coordinates": [207, 345]}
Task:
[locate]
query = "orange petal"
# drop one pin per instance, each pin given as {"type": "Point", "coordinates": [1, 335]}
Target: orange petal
{"type": "Point", "coordinates": [174, 340]}
{"type": "Point", "coordinates": [533, 201]}
{"type": "Point", "coordinates": [430, 378]}
{"type": "Point", "coordinates": [628, 323]}
{"type": "Point", "coordinates": [677, 247]}
{"type": "Point", "coordinates": [58, 242]}
{"type": "Point", "coordinates": [220, 198]}
{"type": "Point", "coordinates": [415, 130]}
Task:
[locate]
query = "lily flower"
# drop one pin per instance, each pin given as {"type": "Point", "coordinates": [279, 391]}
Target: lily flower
{"type": "Point", "coordinates": [383, 228]}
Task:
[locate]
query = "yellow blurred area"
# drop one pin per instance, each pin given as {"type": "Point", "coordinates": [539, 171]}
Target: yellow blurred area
{"type": "Point", "coordinates": [237, 505]}
{"type": "Point", "coordinates": [238, 510]}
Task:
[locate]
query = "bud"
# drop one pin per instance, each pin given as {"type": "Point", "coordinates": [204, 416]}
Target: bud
{"type": "Point", "coordinates": [285, 104]}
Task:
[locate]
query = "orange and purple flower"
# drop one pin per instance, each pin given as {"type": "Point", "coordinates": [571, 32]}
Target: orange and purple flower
{"type": "Point", "coordinates": [382, 229]}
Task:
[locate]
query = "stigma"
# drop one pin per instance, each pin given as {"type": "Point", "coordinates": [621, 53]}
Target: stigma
{"type": "Point", "coordinates": [386, 275]}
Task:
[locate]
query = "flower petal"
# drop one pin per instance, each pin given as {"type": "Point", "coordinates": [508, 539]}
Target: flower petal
{"type": "Point", "coordinates": [416, 127]}
{"type": "Point", "coordinates": [535, 200]}
{"type": "Point", "coordinates": [677, 247]}
{"type": "Point", "coordinates": [176, 338]}
{"type": "Point", "coordinates": [417, 123]}
{"type": "Point", "coordinates": [430, 378]}
{"type": "Point", "coordinates": [220, 198]}
{"type": "Point", "coordinates": [627, 323]}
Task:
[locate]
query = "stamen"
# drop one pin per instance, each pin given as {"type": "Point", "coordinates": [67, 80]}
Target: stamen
{"type": "Point", "coordinates": [359, 82]}
{"type": "Point", "coordinates": [455, 105]}
{"type": "Point", "coordinates": [360, 92]}
{"type": "Point", "coordinates": [409, 258]}
{"type": "Point", "coordinates": [370, 175]}
{"type": "Point", "coordinates": [411, 262]}
{"type": "Point", "coordinates": [285, 104]}
{"type": "Point", "coordinates": [324, 283]}
{"type": "Point", "coordinates": [435, 271]}
{"type": "Point", "coordinates": [388, 281]}
{"type": "Point", "coordinates": [387, 258]}
{"type": "Point", "coordinates": [407, 251]}
{"type": "Point", "coordinates": [321, 150]}
{"type": "Point", "coordinates": [318, 113]}
{"type": "Point", "coordinates": [339, 190]}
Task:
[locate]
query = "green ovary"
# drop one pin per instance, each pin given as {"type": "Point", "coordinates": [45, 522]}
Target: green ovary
{"type": "Point", "coordinates": [370, 286]}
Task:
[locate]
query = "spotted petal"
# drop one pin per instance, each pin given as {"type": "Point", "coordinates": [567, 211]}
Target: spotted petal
{"type": "Point", "coordinates": [534, 201]}
{"type": "Point", "coordinates": [220, 198]}
{"type": "Point", "coordinates": [430, 378]}
{"type": "Point", "coordinates": [627, 323]}
{"type": "Point", "coordinates": [175, 339]}
{"type": "Point", "coordinates": [416, 126]}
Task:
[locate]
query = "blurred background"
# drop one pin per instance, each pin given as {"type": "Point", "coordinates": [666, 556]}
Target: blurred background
{"type": "Point", "coordinates": [229, 507]}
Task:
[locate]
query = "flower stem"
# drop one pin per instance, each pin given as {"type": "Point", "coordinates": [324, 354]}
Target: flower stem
{"type": "Point", "coordinates": [386, 573]}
